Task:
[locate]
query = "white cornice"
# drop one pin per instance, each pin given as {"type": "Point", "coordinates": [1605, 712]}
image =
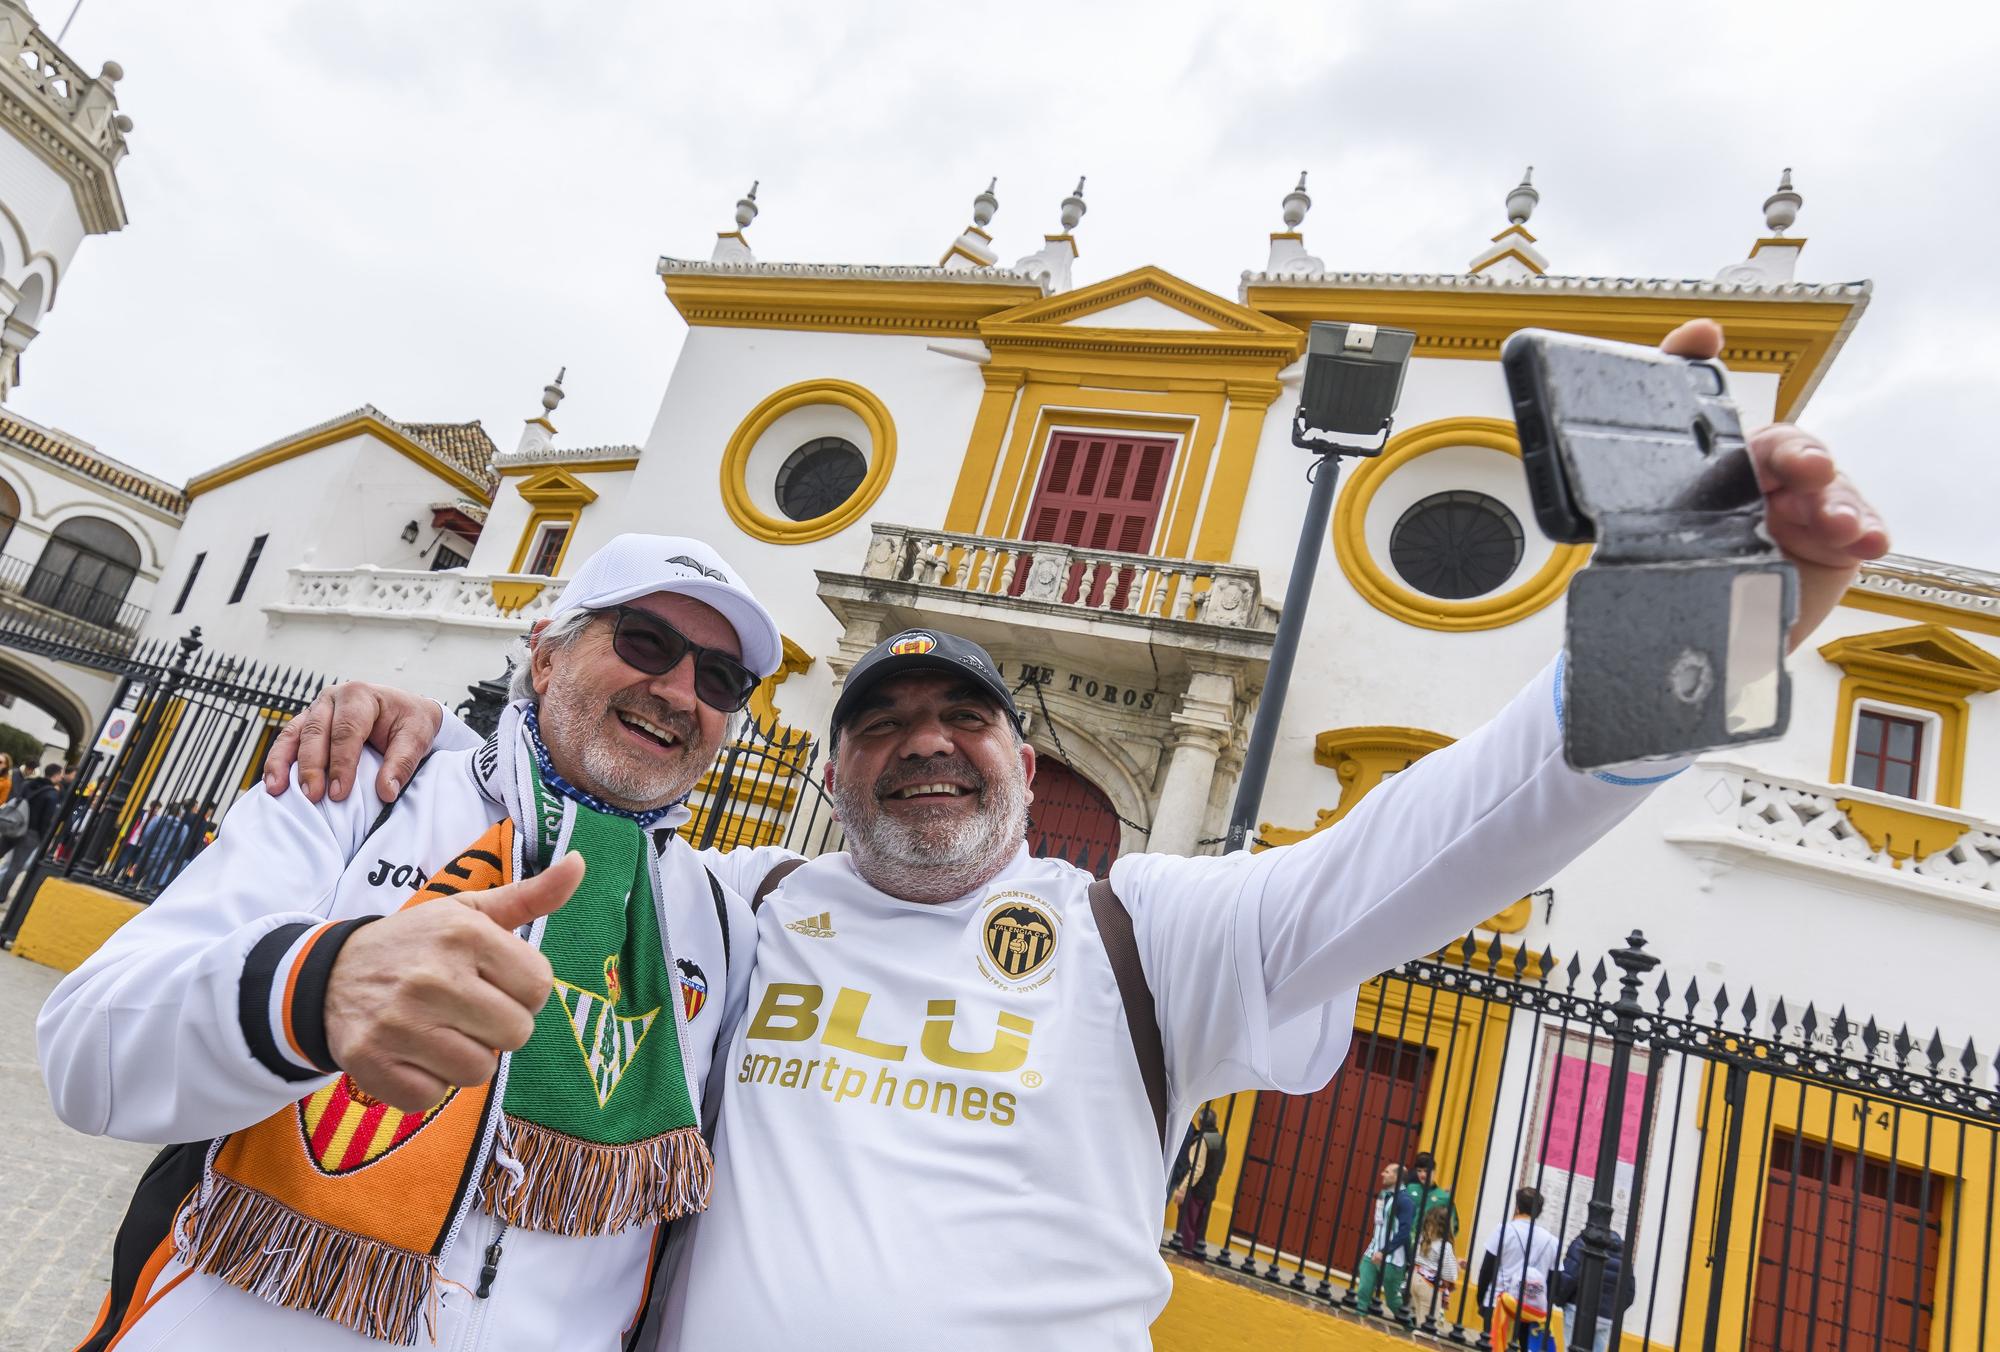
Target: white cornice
{"type": "Point", "coordinates": [565, 455]}
{"type": "Point", "coordinates": [872, 272]}
{"type": "Point", "coordinates": [1944, 584]}
{"type": "Point", "coordinates": [1851, 292]}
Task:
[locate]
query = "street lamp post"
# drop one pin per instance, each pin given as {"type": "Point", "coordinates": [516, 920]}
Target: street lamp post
{"type": "Point", "coordinates": [1353, 380]}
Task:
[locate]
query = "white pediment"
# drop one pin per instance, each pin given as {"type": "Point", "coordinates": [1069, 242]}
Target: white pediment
{"type": "Point", "coordinates": [1141, 312]}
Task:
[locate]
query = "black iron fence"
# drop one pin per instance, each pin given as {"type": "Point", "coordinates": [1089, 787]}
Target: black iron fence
{"type": "Point", "coordinates": [185, 736]}
{"type": "Point", "coordinates": [765, 790]}
{"type": "Point", "coordinates": [1711, 1171]}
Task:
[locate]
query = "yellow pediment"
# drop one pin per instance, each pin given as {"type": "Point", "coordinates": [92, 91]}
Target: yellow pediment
{"type": "Point", "coordinates": [1153, 297]}
{"type": "Point", "coordinates": [556, 488]}
{"type": "Point", "coordinates": [1928, 656]}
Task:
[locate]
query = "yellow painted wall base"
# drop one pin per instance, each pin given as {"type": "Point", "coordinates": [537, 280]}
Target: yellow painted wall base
{"type": "Point", "coordinates": [1211, 1313]}
{"type": "Point", "coordinates": [69, 922]}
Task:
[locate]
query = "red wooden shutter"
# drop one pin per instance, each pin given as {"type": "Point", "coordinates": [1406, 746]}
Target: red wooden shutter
{"type": "Point", "coordinates": [1100, 490]}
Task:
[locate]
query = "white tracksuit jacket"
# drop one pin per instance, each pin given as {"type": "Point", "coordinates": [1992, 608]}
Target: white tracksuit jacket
{"type": "Point", "coordinates": [152, 1040]}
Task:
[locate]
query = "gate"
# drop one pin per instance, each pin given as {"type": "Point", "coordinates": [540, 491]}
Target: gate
{"type": "Point", "coordinates": [197, 724]}
{"type": "Point", "coordinates": [1769, 1177]}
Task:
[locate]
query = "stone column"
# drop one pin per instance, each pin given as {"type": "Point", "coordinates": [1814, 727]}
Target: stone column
{"type": "Point", "coordinates": [1203, 726]}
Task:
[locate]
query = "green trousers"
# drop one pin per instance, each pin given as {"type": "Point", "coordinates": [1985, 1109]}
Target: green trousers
{"type": "Point", "coordinates": [1390, 1278]}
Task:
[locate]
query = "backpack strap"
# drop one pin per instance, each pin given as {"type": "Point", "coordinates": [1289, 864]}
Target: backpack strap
{"type": "Point", "coordinates": [1121, 946]}
{"type": "Point", "coordinates": [721, 919]}
{"type": "Point", "coordinates": [777, 875]}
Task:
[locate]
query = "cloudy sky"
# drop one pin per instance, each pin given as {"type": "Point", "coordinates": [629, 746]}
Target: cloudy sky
{"type": "Point", "coordinates": [430, 207]}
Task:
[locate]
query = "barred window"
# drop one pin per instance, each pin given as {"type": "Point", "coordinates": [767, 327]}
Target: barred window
{"type": "Point", "coordinates": [819, 476]}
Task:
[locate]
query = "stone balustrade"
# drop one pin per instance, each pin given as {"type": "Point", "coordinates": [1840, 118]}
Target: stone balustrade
{"type": "Point", "coordinates": [1848, 826]}
{"type": "Point", "coordinates": [85, 103]}
{"type": "Point", "coordinates": [453, 596]}
{"type": "Point", "coordinates": [1063, 576]}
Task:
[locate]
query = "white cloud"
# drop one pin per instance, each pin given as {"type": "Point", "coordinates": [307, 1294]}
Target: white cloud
{"type": "Point", "coordinates": [432, 207]}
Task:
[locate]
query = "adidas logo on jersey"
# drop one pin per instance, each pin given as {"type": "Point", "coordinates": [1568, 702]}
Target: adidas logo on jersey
{"type": "Point", "coordinates": [814, 926]}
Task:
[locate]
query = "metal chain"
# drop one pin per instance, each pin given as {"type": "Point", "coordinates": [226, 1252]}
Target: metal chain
{"type": "Point", "coordinates": [1063, 751]}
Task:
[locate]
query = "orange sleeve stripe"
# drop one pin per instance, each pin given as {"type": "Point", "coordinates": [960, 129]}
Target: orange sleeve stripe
{"type": "Point", "coordinates": [143, 1297]}
{"type": "Point", "coordinates": [291, 989]}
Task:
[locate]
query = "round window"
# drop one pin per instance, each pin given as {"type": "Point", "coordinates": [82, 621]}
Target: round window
{"type": "Point", "coordinates": [1456, 545]}
{"type": "Point", "coordinates": [819, 476]}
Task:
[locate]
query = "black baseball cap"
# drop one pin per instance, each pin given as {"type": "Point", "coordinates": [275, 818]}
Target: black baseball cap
{"type": "Point", "coordinates": [922, 650]}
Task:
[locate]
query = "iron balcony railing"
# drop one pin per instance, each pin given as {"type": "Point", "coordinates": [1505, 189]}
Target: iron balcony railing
{"type": "Point", "coordinates": [38, 602]}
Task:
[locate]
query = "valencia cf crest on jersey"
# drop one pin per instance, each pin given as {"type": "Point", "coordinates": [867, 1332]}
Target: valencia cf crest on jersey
{"type": "Point", "coordinates": [1017, 940]}
{"type": "Point", "coordinates": [694, 987]}
{"type": "Point", "coordinates": [345, 1130]}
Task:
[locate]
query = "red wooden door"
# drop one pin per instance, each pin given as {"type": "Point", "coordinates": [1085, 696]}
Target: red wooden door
{"type": "Point", "coordinates": [1372, 1113]}
{"type": "Point", "coordinates": [1099, 490]}
{"type": "Point", "coordinates": [1840, 1238]}
{"type": "Point", "coordinates": [1071, 819]}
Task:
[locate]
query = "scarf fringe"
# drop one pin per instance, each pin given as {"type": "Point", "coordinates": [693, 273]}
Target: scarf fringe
{"type": "Point", "coordinates": [258, 1244]}
{"type": "Point", "coordinates": [577, 1187]}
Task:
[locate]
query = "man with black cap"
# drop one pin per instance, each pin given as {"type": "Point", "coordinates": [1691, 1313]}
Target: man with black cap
{"type": "Point", "coordinates": [947, 1108]}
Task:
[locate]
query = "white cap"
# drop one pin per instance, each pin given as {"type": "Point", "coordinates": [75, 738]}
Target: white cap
{"type": "Point", "coordinates": [631, 566]}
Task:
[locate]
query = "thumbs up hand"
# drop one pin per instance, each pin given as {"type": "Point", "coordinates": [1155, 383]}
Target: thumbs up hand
{"type": "Point", "coordinates": [427, 998]}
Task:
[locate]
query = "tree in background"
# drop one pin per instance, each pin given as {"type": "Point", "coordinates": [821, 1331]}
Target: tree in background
{"type": "Point", "coordinates": [25, 748]}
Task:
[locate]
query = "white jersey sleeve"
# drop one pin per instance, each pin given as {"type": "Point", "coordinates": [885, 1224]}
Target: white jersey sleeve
{"type": "Point", "coordinates": [1255, 961]}
{"type": "Point", "coordinates": [199, 1015]}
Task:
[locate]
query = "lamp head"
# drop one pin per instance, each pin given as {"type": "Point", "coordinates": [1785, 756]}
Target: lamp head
{"type": "Point", "coordinates": [1353, 382]}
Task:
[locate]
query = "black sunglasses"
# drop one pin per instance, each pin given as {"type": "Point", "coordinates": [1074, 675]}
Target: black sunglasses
{"type": "Point", "coordinates": [648, 643]}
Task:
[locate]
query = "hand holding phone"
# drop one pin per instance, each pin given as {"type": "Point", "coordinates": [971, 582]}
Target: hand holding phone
{"type": "Point", "coordinates": [1676, 629]}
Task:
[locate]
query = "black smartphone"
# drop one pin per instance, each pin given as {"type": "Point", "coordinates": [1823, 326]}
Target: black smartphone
{"type": "Point", "coordinates": [1676, 629]}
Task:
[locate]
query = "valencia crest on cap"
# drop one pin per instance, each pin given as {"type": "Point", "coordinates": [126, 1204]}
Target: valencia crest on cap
{"type": "Point", "coordinates": [911, 645]}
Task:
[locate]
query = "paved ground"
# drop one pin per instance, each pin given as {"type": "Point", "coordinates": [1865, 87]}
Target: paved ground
{"type": "Point", "coordinates": [61, 1193]}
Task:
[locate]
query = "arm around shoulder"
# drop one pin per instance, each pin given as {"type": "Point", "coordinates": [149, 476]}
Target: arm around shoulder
{"type": "Point", "coordinates": [198, 1016]}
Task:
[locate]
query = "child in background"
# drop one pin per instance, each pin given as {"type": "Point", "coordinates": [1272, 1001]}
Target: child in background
{"type": "Point", "coordinates": [1435, 1272]}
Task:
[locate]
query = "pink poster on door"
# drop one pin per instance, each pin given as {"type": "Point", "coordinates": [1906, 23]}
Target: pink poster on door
{"type": "Point", "coordinates": [1572, 1147]}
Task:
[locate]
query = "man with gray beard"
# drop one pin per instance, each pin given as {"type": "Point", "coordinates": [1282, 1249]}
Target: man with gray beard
{"type": "Point", "coordinates": [936, 1131]}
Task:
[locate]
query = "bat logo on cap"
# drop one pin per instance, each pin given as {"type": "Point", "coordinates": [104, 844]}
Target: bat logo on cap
{"type": "Point", "coordinates": [912, 644]}
{"type": "Point", "coordinates": [694, 567]}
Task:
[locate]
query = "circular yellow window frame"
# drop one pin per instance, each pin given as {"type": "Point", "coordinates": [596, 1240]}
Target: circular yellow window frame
{"type": "Point", "coordinates": [1388, 594]}
{"type": "Point", "coordinates": [760, 524]}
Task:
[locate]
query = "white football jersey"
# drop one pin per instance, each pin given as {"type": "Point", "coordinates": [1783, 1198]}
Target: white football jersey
{"type": "Point", "coordinates": [934, 1132]}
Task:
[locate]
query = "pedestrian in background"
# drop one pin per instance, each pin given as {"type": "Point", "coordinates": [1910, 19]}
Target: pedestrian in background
{"type": "Point", "coordinates": [1385, 1265]}
{"type": "Point", "coordinates": [1204, 1171]}
{"type": "Point", "coordinates": [43, 796]}
{"type": "Point", "coordinates": [1434, 1274]}
{"type": "Point", "coordinates": [1614, 1294]}
{"type": "Point", "coordinates": [1514, 1274]}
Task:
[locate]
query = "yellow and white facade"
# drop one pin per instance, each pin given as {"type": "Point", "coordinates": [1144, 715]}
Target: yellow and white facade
{"type": "Point", "coordinates": [951, 386]}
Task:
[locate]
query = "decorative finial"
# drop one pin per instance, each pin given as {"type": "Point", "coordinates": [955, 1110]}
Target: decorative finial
{"type": "Point", "coordinates": [1073, 208]}
{"type": "Point", "coordinates": [1781, 208]}
{"type": "Point", "coordinates": [746, 206]}
{"type": "Point", "coordinates": [112, 72]}
{"type": "Point", "coordinates": [552, 393]}
{"type": "Point", "coordinates": [1521, 202]}
{"type": "Point", "coordinates": [1297, 204]}
{"type": "Point", "coordinates": [984, 205]}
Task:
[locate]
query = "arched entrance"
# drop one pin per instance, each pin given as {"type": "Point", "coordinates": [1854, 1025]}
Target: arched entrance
{"type": "Point", "coordinates": [1071, 818]}
{"type": "Point", "coordinates": [37, 682]}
